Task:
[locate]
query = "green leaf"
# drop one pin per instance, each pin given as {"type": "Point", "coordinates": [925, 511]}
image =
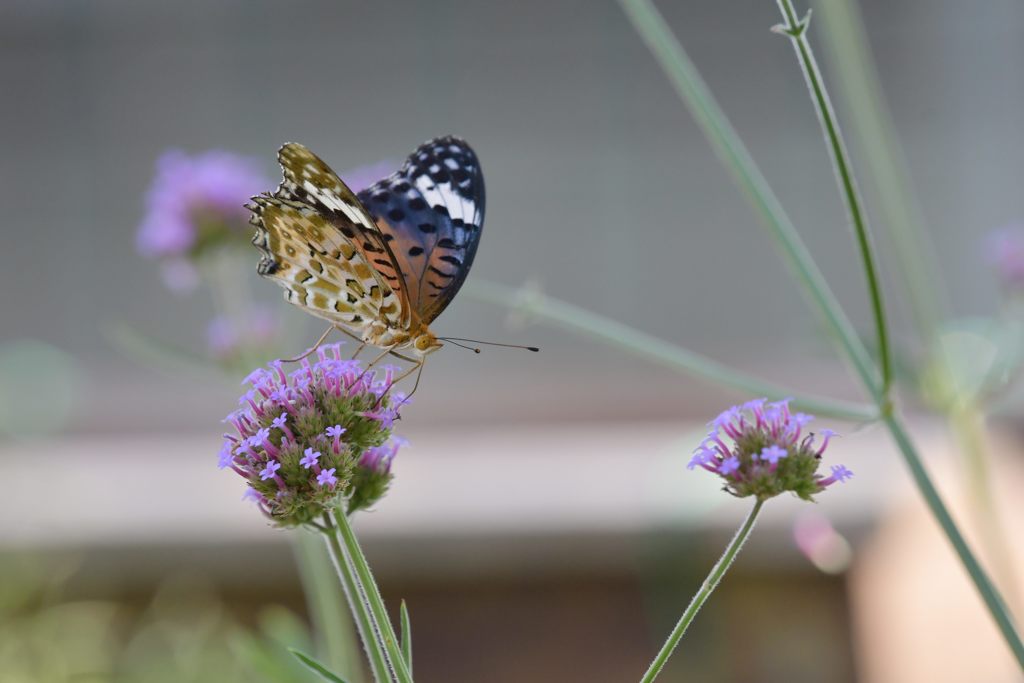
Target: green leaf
{"type": "Point", "coordinates": [316, 666]}
{"type": "Point", "coordinates": [406, 641]}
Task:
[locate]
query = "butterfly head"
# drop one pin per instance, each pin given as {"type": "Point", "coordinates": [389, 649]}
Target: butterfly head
{"type": "Point", "coordinates": [424, 342]}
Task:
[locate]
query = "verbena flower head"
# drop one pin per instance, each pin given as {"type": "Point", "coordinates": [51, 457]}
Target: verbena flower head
{"type": "Point", "coordinates": [763, 449]}
{"type": "Point", "coordinates": [314, 438]}
{"type": "Point", "coordinates": [196, 202]}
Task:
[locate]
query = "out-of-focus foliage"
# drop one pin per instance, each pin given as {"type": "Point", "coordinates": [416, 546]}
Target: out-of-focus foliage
{"type": "Point", "coordinates": [183, 634]}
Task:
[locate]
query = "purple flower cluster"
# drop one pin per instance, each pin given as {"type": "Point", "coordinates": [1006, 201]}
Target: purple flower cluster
{"type": "Point", "coordinates": [314, 438]}
{"type": "Point", "coordinates": [762, 449]}
{"type": "Point", "coordinates": [195, 202]}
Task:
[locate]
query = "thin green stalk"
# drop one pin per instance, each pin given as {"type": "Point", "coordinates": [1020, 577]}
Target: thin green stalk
{"type": "Point", "coordinates": [368, 631]}
{"type": "Point", "coordinates": [709, 585]}
{"type": "Point", "coordinates": [857, 76]}
{"type": "Point", "coordinates": [989, 594]}
{"type": "Point", "coordinates": [568, 316]}
{"type": "Point", "coordinates": [380, 614]}
{"type": "Point", "coordinates": [968, 426]}
{"type": "Point", "coordinates": [797, 32]}
{"type": "Point", "coordinates": [333, 628]}
{"type": "Point", "coordinates": [875, 133]}
{"type": "Point", "coordinates": [695, 94]}
{"type": "Point", "coordinates": [406, 635]}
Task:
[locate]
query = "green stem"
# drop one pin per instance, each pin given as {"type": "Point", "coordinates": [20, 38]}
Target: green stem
{"type": "Point", "coordinates": [697, 97]}
{"type": "Point", "coordinates": [968, 426]}
{"type": "Point", "coordinates": [709, 585]}
{"type": "Point", "coordinates": [797, 32]}
{"type": "Point", "coordinates": [368, 631]}
{"type": "Point", "coordinates": [989, 594]}
{"type": "Point", "coordinates": [380, 614]}
{"type": "Point", "coordinates": [859, 88]}
{"type": "Point", "coordinates": [576, 319]}
{"type": "Point", "coordinates": [874, 129]}
{"type": "Point", "coordinates": [334, 630]}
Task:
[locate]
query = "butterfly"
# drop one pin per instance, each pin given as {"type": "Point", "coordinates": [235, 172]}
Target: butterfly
{"type": "Point", "coordinates": [383, 263]}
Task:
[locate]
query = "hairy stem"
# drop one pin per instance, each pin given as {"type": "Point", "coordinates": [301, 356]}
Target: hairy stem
{"type": "Point", "coordinates": [709, 585]}
{"type": "Point", "coordinates": [334, 630]}
{"type": "Point", "coordinates": [369, 633]}
{"type": "Point", "coordinates": [376, 603]}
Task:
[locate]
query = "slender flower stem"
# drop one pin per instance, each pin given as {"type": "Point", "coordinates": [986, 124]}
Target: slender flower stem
{"type": "Point", "coordinates": [695, 94]}
{"type": "Point", "coordinates": [576, 319]}
{"type": "Point", "coordinates": [336, 636]}
{"type": "Point", "coordinates": [709, 585]}
{"type": "Point", "coordinates": [797, 32]}
{"type": "Point", "coordinates": [993, 600]}
{"type": "Point", "coordinates": [968, 425]}
{"type": "Point", "coordinates": [368, 631]}
{"type": "Point", "coordinates": [380, 614]}
{"type": "Point", "coordinates": [857, 77]}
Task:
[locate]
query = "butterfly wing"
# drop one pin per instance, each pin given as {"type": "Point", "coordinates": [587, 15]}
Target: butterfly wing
{"type": "Point", "coordinates": [321, 270]}
{"type": "Point", "coordinates": [431, 213]}
{"type": "Point", "coordinates": [310, 181]}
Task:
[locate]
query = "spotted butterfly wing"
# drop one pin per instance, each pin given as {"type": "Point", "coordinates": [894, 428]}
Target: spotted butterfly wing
{"type": "Point", "coordinates": [430, 213]}
{"type": "Point", "coordinates": [306, 179]}
{"type": "Point", "coordinates": [320, 269]}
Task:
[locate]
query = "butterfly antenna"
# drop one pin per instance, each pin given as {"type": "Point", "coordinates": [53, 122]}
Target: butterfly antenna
{"type": "Point", "coordinates": [454, 340]}
{"type": "Point", "coordinates": [463, 346]}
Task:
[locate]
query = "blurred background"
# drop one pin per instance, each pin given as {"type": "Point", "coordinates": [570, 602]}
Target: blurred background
{"type": "Point", "coordinates": [542, 525]}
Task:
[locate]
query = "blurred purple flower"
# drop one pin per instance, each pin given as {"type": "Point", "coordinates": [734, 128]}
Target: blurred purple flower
{"type": "Point", "coordinates": [1004, 249]}
{"type": "Point", "coordinates": [179, 274]}
{"type": "Point", "coordinates": [362, 177]}
{"type": "Point", "coordinates": [257, 329]}
{"type": "Point", "coordinates": [192, 194]}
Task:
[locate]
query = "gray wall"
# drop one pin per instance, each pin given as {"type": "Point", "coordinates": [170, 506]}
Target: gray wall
{"type": "Point", "coordinates": [600, 185]}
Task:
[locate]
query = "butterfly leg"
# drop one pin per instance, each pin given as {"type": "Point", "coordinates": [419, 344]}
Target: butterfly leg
{"type": "Point", "coordinates": [416, 384]}
{"type": "Point", "coordinates": [418, 369]}
{"type": "Point", "coordinates": [312, 348]}
{"type": "Point", "coordinates": [396, 354]}
{"type": "Point", "coordinates": [370, 365]}
{"type": "Point", "coordinates": [362, 344]}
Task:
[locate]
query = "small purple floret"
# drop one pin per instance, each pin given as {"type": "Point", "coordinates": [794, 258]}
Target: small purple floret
{"type": "Point", "coordinates": [270, 471]}
{"type": "Point", "coordinates": [310, 458]}
{"type": "Point", "coordinates": [327, 478]}
{"type": "Point", "coordinates": [773, 454]}
{"type": "Point", "coordinates": [729, 465]}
